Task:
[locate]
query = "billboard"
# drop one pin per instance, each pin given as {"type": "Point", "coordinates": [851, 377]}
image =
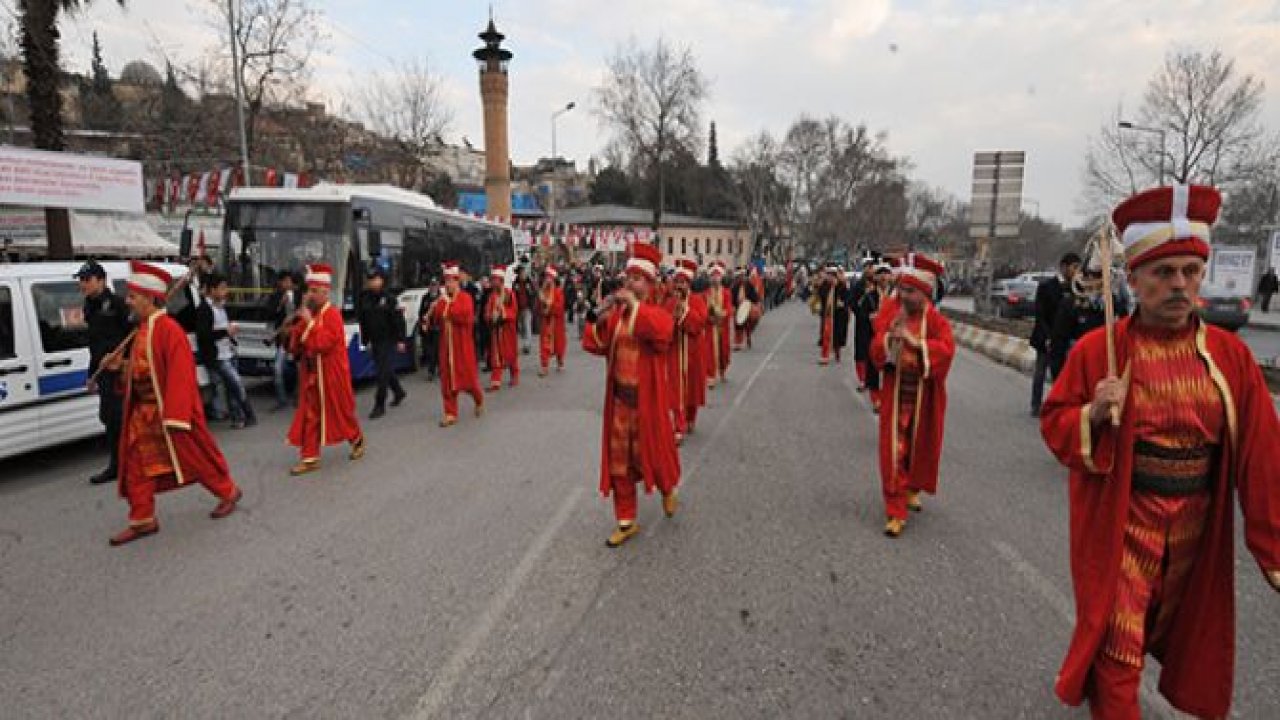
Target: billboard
{"type": "Point", "coordinates": [41, 178]}
{"type": "Point", "coordinates": [1231, 268]}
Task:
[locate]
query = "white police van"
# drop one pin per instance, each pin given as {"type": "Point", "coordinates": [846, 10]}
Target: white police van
{"type": "Point", "coordinates": [44, 354]}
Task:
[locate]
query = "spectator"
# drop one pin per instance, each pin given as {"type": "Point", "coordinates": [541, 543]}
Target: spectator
{"type": "Point", "coordinates": [1049, 296]}
{"type": "Point", "coordinates": [1269, 285]}
{"type": "Point", "coordinates": [215, 344]}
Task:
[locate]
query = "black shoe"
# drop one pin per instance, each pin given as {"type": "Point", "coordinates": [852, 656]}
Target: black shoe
{"type": "Point", "coordinates": [251, 421]}
{"type": "Point", "coordinates": [378, 412]}
{"type": "Point", "coordinates": [1035, 412]}
{"type": "Point", "coordinates": [103, 477]}
{"type": "Point", "coordinates": [395, 402]}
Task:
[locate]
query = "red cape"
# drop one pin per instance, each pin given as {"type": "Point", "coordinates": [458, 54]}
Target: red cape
{"type": "Point", "coordinates": [655, 329]}
{"type": "Point", "coordinates": [456, 320]}
{"type": "Point", "coordinates": [324, 339]}
{"type": "Point", "coordinates": [688, 349]}
{"type": "Point", "coordinates": [931, 407]}
{"type": "Point", "coordinates": [1199, 659]}
{"type": "Point", "coordinates": [504, 346]}
{"type": "Point", "coordinates": [725, 327]}
{"type": "Point", "coordinates": [193, 451]}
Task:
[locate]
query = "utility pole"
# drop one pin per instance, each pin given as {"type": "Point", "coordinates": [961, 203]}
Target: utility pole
{"type": "Point", "coordinates": [235, 74]}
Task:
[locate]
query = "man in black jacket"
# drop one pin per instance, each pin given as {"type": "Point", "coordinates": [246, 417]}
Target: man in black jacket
{"type": "Point", "coordinates": [108, 319]}
{"type": "Point", "coordinates": [431, 334]}
{"type": "Point", "coordinates": [281, 305]}
{"type": "Point", "coordinates": [1049, 297]}
{"type": "Point", "coordinates": [382, 329]}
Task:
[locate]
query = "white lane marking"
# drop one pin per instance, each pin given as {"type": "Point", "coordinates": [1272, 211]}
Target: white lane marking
{"type": "Point", "coordinates": [1157, 706]}
{"type": "Point", "coordinates": [443, 684]}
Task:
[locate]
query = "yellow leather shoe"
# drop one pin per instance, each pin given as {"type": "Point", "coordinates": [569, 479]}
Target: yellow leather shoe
{"type": "Point", "coordinates": [305, 467]}
{"type": "Point", "coordinates": [622, 534]}
{"type": "Point", "coordinates": [913, 501]}
{"type": "Point", "coordinates": [358, 448]}
{"type": "Point", "coordinates": [480, 410]}
{"type": "Point", "coordinates": [670, 503]}
{"type": "Point", "coordinates": [448, 421]}
{"type": "Point", "coordinates": [893, 528]}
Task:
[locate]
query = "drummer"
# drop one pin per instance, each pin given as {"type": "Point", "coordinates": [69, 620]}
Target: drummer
{"type": "Point", "coordinates": [746, 298]}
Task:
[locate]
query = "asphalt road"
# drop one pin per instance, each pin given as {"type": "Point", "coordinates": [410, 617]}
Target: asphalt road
{"type": "Point", "coordinates": [462, 574]}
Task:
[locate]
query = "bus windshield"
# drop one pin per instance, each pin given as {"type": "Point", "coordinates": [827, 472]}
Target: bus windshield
{"type": "Point", "coordinates": [264, 240]}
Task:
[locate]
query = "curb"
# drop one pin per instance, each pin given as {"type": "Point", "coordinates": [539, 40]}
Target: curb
{"type": "Point", "coordinates": [1016, 352]}
{"type": "Point", "coordinates": [1007, 350]}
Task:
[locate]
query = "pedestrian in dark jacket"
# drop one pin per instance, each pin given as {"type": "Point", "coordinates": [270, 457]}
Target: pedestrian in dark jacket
{"type": "Point", "coordinates": [382, 330]}
{"type": "Point", "coordinates": [1269, 285]}
{"type": "Point", "coordinates": [108, 319]}
{"type": "Point", "coordinates": [1049, 297]}
{"type": "Point", "coordinates": [431, 336]}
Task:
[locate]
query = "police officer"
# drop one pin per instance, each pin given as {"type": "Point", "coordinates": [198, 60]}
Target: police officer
{"type": "Point", "coordinates": [382, 329]}
{"type": "Point", "coordinates": [108, 319]}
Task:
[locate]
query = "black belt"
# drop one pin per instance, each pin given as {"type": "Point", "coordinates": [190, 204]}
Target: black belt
{"type": "Point", "coordinates": [1172, 472]}
{"type": "Point", "coordinates": [628, 395]}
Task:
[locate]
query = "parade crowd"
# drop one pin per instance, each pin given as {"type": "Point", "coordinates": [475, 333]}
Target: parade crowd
{"type": "Point", "coordinates": [1162, 420]}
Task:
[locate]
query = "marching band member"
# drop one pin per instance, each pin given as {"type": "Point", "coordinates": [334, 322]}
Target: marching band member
{"type": "Point", "coordinates": [501, 313]}
{"type": "Point", "coordinates": [164, 442]}
{"type": "Point", "coordinates": [639, 445]}
{"type": "Point", "coordinates": [913, 347]}
{"type": "Point", "coordinates": [688, 387]}
{"type": "Point", "coordinates": [551, 335]}
{"type": "Point", "coordinates": [326, 413]}
{"type": "Point", "coordinates": [453, 316]}
{"type": "Point", "coordinates": [1157, 449]}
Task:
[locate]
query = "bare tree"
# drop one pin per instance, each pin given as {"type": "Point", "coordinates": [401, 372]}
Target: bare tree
{"type": "Point", "coordinates": [757, 191]}
{"type": "Point", "coordinates": [406, 106]}
{"type": "Point", "coordinates": [1203, 121]}
{"type": "Point", "coordinates": [651, 100]}
{"type": "Point", "coordinates": [275, 40]}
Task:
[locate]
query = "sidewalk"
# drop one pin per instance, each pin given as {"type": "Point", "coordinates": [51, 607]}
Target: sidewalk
{"type": "Point", "coordinates": [1265, 321]}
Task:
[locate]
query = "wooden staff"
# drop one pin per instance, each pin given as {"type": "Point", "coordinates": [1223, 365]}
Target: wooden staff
{"type": "Point", "coordinates": [1105, 249]}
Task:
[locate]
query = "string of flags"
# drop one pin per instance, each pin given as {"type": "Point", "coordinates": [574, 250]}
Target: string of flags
{"type": "Point", "coordinates": [209, 189]}
{"type": "Point", "coordinates": [611, 239]}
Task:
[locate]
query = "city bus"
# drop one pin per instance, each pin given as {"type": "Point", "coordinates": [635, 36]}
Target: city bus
{"type": "Point", "coordinates": [353, 228]}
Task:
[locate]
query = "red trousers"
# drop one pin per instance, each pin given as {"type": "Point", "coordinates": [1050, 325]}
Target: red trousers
{"type": "Point", "coordinates": [828, 337]}
{"type": "Point", "coordinates": [206, 466]}
{"type": "Point", "coordinates": [451, 399]}
{"type": "Point", "coordinates": [552, 342]}
{"type": "Point", "coordinates": [684, 419]}
{"type": "Point", "coordinates": [899, 483]}
{"type": "Point", "coordinates": [1161, 542]}
{"type": "Point", "coordinates": [742, 333]}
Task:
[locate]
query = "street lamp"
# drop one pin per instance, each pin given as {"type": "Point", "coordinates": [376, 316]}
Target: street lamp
{"type": "Point", "coordinates": [551, 199]}
{"type": "Point", "coordinates": [1126, 125]}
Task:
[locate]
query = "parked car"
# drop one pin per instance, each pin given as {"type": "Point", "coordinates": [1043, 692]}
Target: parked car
{"type": "Point", "coordinates": [1036, 277]}
{"type": "Point", "coordinates": [1224, 308]}
{"type": "Point", "coordinates": [1014, 298]}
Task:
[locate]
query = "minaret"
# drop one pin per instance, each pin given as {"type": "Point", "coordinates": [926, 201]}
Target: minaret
{"type": "Point", "coordinates": [493, 59]}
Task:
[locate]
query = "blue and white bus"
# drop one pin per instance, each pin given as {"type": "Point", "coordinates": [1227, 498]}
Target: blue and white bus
{"type": "Point", "coordinates": [270, 231]}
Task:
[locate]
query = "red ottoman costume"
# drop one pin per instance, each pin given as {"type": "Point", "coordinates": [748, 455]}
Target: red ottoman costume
{"type": "Point", "coordinates": [914, 379]}
{"type": "Point", "coordinates": [639, 443]}
{"type": "Point", "coordinates": [1152, 538]}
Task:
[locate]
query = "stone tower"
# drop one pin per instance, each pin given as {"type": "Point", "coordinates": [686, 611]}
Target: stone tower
{"type": "Point", "coordinates": [493, 59]}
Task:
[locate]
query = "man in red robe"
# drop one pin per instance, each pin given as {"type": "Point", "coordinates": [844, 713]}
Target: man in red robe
{"type": "Point", "coordinates": [165, 442]}
{"type": "Point", "coordinates": [1155, 455]}
{"type": "Point", "coordinates": [914, 348]}
{"type": "Point", "coordinates": [501, 312]}
{"type": "Point", "coordinates": [552, 338]}
{"type": "Point", "coordinates": [720, 318]}
{"type": "Point", "coordinates": [687, 375]}
{"type": "Point", "coordinates": [639, 446]}
{"type": "Point", "coordinates": [326, 413]}
{"type": "Point", "coordinates": [454, 315]}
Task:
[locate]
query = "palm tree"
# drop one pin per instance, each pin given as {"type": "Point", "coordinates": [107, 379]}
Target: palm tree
{"type": "Point", "coordinates": [40, 57]}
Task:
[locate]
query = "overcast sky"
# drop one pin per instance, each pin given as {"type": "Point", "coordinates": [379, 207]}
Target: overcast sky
{"type": "Point", "coordinates": [942, 77]}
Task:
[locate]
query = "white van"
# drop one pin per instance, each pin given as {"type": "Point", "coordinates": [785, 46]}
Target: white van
{"type": "Point", "coordinates": [44, 354]}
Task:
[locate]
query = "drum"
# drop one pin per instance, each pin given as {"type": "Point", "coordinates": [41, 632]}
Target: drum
{"type": "Point", "coordinates": [744, 313]}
